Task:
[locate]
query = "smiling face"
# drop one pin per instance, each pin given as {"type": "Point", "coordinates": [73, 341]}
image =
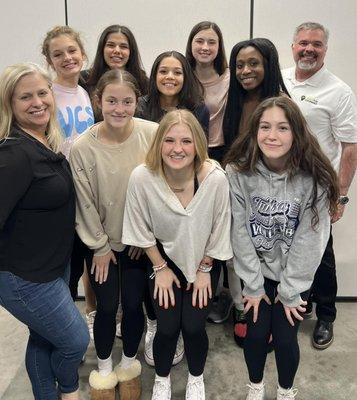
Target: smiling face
{"type": "Point", "coordinates": [275, 138]}
{"type": "Point", "coordinates": [309, 50]}
{"type": "Point", "coordinates": [250, 68]}
{"type": "Point", "coordinates": [178, 149]}
{"type": "Point", "coordinates": [66, 57]}
{"type": "Point", "coordinates": [205, 45]}
{"type": "Point", "coordinates": [32, 103]}
{"type": "Point", "coordinates": [118, 104]}
{"type": "Point", "coordinates": [116, 51]}
{"type": "Point", "coordinates": [169, 77]}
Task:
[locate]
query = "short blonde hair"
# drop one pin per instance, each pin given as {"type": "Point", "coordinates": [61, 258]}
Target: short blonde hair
{"type": "Point", "coordinates": [154, 158]}
{"type": "Point", "coordinates": [8, 81]}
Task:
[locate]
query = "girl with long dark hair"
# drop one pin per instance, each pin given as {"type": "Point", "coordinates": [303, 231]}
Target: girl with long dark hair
{"type": "Point", "coordinates": [206, 54]}
{"type": "Point", "coordinates": [283, 191]}
{"type": "Point", "coordinates": [173, 85]}
{"type": "Point", "coordinates": [255, 76]}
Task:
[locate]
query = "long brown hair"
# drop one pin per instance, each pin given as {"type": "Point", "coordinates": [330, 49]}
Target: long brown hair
{"type": "Point", "coordinates": [134, 64]}
{"type": "Point", "coordinates": [305, 153]}
{"type": "Point", "coordinates": [220, 62]}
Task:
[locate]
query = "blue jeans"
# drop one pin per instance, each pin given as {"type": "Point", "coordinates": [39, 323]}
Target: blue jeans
{"type": "Point", "coordinates": [58, 334]}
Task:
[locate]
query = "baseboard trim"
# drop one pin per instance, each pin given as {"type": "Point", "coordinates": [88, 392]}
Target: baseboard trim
{"type": "Point", "coordinates": [346, 299]}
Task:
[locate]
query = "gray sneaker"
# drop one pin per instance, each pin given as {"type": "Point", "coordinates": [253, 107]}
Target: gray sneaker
{"type": "Point", "coordinates": [221, 308]}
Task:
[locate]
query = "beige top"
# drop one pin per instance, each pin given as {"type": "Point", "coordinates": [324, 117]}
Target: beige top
{"type": "Point", "coordinates": [216, 93]}
{"type": "Point", "coordinates": [101, 173]}
{"type": "Point", "coordinates": [154, 213]}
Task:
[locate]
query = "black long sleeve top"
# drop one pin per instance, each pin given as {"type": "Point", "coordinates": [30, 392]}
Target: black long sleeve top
{"type": "Point", "coordinates": [37, 209]}
{"type": "Point", "coordinates": [200, 112]}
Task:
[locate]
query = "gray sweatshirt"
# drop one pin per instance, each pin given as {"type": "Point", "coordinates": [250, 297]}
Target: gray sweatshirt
{"type": "Point", "coordinates": [271, 231]}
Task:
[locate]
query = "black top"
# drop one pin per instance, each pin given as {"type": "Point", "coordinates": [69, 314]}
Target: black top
{"type": "Point", "coordinates": [195, 184]}
{"type": "Point", "coordinates": [37, 209]}
{"type": "Point", "coordinates": [200, 112]}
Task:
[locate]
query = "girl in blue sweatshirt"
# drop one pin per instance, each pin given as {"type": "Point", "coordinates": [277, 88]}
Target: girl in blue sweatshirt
{"type": "Point", "coordinates": [283, 190]}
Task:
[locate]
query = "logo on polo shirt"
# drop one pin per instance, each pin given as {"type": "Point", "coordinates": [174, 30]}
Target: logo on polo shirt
{"type": "Point", "coordinates": [309, 99]}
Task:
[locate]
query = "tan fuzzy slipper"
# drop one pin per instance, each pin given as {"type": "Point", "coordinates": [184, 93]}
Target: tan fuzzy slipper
{"type": "Point", "coordinates": [129, 381]}
{"type": "Point", "coordinates": [130, 390]}
{"type": "Point", "coordinates": [102, 387]}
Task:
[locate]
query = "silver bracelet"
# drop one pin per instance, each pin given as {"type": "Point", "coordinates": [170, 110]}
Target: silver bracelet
{"type": "Point", "coordinates": [157, 268]}
{"type": "Point", "coordinates": [205, 268]}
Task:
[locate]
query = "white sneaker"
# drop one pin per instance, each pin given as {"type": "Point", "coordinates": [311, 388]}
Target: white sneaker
{"type": "Point", "coordinates": [195, 389]}
{"type": "Point", "coordinates": [256, 391]}
{"type": "Point", "coordinates": [180, 350]}
{"type": "Point", "coordinates": [149, 352]}
{"type": "Point", "coordinates": [90, 322]}
{"type": "Point", "coordinates": [161, 389]}
{"type": "Point", "coordinates": [149, 340]}
{"type": "Point", "coordinates": [286, 394]}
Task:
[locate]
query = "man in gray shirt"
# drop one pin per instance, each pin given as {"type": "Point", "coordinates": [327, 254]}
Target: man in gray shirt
{"type": "Point", "coordinates": [330, 109]}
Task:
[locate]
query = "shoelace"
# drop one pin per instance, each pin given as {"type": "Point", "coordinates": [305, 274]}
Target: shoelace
{"type": "Point", "coordinates": [194, 388]}
{"type": "Point", "coordinates": [160, 388]}
{"type": "Point", "coordinates": [254, 391]}
{"type": "Point", "coordinates": [290, 394]}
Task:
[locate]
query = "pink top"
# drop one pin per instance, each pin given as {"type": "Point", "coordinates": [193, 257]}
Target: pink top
{"type": "Point", "coordinates": [216, 93]}
{"type": "Point", "coordinates": [75, 114]}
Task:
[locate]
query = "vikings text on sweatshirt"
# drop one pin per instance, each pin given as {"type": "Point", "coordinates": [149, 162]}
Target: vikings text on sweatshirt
{"type": "Point", "coordinates": [271, 231]}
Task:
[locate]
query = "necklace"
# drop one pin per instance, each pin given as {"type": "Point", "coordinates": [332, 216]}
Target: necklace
{"type": "Point", "coordinates": [177, 190]}
{"type": "Point", "coordinates": [181, 189]}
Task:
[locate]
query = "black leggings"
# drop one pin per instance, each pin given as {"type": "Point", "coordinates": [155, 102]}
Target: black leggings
{"type": "Point", "coordinates": [134, 290]}
{"type": "Point", "coordinates": [324, 287]}
{"type": "Point", "coordinates": [272, 320]}
{"type": "Point", "coordinates": [183, 317]}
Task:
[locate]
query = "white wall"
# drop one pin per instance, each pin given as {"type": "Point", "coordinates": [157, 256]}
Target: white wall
{"type": "Point", "coordinates": [163, 24]}
{"type": "Point", "coordinates": [23, 25]}
{"type": "Point", "coordinates": [160, 25]}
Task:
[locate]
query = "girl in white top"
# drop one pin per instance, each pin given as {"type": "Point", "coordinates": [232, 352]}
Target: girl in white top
{"type": "Point", "coordinates": [65, 54]}
{"type": "Point", "coordinates": [102, 160]}
{"type": "Point", "coordinates": [178, 210]}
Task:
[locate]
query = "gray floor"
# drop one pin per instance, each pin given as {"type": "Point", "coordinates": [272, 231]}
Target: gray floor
{"type": "Point", "coordinates": [323, 375]}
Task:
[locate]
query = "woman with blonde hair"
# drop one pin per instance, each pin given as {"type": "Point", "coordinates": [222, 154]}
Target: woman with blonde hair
{"type": "Point", "coordinates": [177, 209]}
{"type": "Point", "coordinates": [33, 255]}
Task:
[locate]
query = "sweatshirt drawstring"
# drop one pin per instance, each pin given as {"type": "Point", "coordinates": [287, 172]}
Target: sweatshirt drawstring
{"type": "Point", "coordinates": [285, 201]}
{"type": "Point", "coordinates": [270, 198]}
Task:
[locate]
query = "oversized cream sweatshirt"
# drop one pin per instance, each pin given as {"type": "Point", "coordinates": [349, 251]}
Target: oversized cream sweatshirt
{"type": "Point", "coordinates": [153, 212]}
{"type": "Point", "coordinates": [101, 173]}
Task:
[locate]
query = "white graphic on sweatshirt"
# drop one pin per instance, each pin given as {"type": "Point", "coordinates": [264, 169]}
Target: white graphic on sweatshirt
{"type": "Point", "coordinates": [273, 220]}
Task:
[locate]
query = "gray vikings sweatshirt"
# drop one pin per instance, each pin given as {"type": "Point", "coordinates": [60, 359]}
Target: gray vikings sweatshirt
{"type": "Point", "coordinates": [271, 231]}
